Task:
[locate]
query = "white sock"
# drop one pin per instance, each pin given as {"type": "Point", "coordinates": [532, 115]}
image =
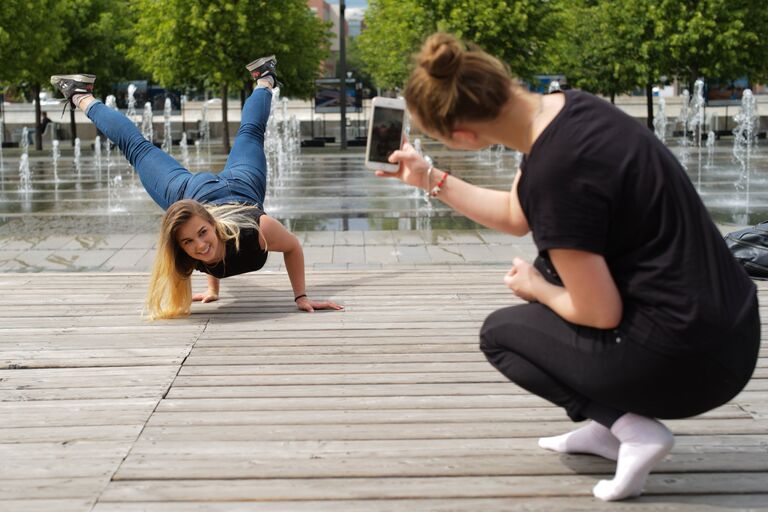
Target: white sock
{"type": "Point", "coordinates": [268, 82]}
{"type": "Point", "coordinates": [80, 96]}
{"type": "Point", "coordinates": [644, 442]}
{"type": "Point", "coordinates": [593, 438]}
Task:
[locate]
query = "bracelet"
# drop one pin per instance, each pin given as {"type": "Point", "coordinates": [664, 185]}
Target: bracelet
{"type": "Point", "coordinates": [299, 296]}
{"type": "Point", "coordinates": [437, 188]}
{"type": "Point", "coordinates": [429, 175]}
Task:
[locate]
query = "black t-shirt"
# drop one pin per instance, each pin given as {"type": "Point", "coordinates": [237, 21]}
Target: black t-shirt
{"type": "Point", "coordinates": [250, 257]}
{"type": "Point", "coordinates": [598, 181]}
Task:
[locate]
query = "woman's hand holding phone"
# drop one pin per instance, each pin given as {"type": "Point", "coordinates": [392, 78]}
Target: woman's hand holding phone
{"type": "Point", "coordinates": [413, 167]}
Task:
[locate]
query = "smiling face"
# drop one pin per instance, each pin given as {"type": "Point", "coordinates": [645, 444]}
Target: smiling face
{"type": "Point", "coordinates": [197, 237]}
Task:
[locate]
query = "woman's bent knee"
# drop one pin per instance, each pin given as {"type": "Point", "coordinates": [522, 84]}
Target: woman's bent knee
{"type": "Point", "coordinates": [495, 326]}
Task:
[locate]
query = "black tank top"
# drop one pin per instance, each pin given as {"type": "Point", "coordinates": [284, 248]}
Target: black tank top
{"type": "Point", "coordinates": [250, 257]}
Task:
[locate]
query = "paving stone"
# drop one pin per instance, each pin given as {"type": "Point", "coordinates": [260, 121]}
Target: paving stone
{"type": "Point", "coordinates": [319, 238]}
{"type": "Point", "coordinates": [317, 254]}
{"type": "Point", "coordinates": [348, 253]}
{"type": "Point", "coordinates": [413, 254]}
{"type": "Point", "coordinates": [378, 238]}
{"type": "Point", "coordinates": [348, 238]}
{"type": "Point", "coordinates": [386, 254]}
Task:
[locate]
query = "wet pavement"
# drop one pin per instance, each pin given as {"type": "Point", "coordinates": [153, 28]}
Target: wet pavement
{"type": "Point", "coordinates": [93, 215]}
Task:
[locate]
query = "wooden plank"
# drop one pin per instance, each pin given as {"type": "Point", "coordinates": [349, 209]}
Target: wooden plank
{"type": "Point", "coordinates": [37, 505]}
{"type": "Point", "coordinates": [68, 434]}
{"type": "Point", "coordinates": [395, 405]}
{"type": "Point", "coordinates": [344, 390]}
{"type": "Point", "coordinates": [265, 490]}
{"type": "Point", "coordinates": [426, 430]}
{"type": "Point", "coordinates": [190, 466]}
{"type": "Point", "coordinates": [337, 378]}
{"type": "Point", "coordinates": [33, 489]}
{"type": "Point", "coordinates": [415, 448]}
{"type": "Point", "coordinates": [581, 503]}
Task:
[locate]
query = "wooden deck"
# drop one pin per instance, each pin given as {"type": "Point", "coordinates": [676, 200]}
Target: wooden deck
{"type": "Point", "coordinates": [251, 406]}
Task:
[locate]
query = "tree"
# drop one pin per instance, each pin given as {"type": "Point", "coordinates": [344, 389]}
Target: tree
{"type": "Point", "coordinates": [714, 38]}
{"type": "Point", "coordinates": [31, 40]}
{"type": "Point", "coordinates": [394, 31]}
{"type": "Point", "coordinates": [191, 42]}
{"type": "Point", "coordinates": [99, 35]}
{"type": "Point", "coordinates": [609, 47]}
{"type": "Point", "coordinates": [516, 32]}
{"type": "Point", "coordinates": [612, 46]}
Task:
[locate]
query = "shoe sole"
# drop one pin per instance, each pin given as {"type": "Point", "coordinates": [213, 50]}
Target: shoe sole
{"type": "Point", "coordinates": [259, 62]}
{"type": "Point", "coordinates": [88, 79]}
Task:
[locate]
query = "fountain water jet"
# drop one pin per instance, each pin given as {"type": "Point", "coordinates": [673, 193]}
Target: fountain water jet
{"type": "Point", "coordinates": [696, 124]}
{"type": "Point", "coordinates": [97, 154]}
{"type": "Point", "coordinates": [25, 140]}
{"type": "Point", "coordinates": [184, 150]}
{"type": "Point", "coordinates": [131, 112]}
{"type": "Point", "coordinates": [56, 154]}
{"type": "Point", "coordinates": [77, 156]}
{"type": "Point", "coordinates": [205, 128]}
{"type": "Point", "coordinates": [25, 179]}
{"type": "Point", "coordinates": [147, 129]}
{"type": "Point", "coordinates": [660, 121]}
{"type": "Point", "coordinates": [743, 142]}
{"type": "Point", "coordinates": [683, 120]}
{"type": "Point", "coordinates": [167, 135]}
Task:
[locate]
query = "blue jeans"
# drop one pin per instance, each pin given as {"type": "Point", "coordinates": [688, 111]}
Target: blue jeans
{"type": "Point", "coordinates": [243, 179]}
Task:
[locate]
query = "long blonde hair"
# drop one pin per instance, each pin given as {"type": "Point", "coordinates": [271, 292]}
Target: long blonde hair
{"type": "Point", "coordinates": [453, 81]}
{"type": "Point", "coordinates": [170, 285]}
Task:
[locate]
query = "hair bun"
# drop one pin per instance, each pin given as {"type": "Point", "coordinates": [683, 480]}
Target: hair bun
{"type": "Point", "coordinates": [443, 57]}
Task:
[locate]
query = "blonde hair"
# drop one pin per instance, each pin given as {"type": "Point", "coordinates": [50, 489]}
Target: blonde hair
{"type": "Point", "coordinates": [170, 287]}
{"type": "Point", "coordinates": [454, 82]}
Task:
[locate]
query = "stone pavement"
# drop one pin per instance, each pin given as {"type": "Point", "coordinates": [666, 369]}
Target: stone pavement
{"type": "Point", "coordinates": [323, 250]}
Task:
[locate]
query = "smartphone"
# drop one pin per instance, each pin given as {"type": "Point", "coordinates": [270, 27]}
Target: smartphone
{"type": "Point", "coordinates": [385, 133]}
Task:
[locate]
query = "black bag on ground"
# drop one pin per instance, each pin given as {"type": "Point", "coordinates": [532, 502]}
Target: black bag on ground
{"type": "Point", "coordinates": [750, 248]}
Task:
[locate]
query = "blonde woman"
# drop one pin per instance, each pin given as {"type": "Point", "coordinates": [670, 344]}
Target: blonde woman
{"type": "Point", "coordinates": [213, 223]}
{"type": "Point", "coordinates": [636, 309]}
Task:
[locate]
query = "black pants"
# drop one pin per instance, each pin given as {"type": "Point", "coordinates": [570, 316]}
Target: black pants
{"type": "Point", "coordinates": [598, 374]}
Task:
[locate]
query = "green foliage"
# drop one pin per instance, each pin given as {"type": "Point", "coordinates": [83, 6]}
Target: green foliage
{"type": "Point", "coordinates": [45, 37]}
{"type": "Point", "coordinates": [208, 42]}
{"type": "Point", "coordinates": [394, 31]}
{"type": "Point", "coordinates": [516, 31]}
{"type": "Point", "coordinates": [606, 48]}
{"type": "Point", "coordinates": [100, 33]}
{"type": "Point", "coordinates": [714, 38]}
{"type": "Point", "coordinates": [31, 39]}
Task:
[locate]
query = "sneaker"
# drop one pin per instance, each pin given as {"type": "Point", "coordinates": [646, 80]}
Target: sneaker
{"type": "Point", "coordinates": [69, 85]}
{"type": "Point", "coordinates": [264, 68]}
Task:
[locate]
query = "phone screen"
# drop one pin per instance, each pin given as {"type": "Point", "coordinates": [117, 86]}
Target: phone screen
{"type": "Point", "coordinates": [386, 133]}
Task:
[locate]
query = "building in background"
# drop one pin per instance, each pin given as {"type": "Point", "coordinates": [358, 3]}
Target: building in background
{"type": "Point", "coordinates": [329, 13]}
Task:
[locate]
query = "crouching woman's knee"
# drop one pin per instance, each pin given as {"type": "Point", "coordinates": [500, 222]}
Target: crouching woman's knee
{"type": "Point", "coordinates": [494, 328]}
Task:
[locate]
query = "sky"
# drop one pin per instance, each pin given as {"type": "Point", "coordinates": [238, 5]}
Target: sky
{"type": "Point", "coordinates": [354, 9]}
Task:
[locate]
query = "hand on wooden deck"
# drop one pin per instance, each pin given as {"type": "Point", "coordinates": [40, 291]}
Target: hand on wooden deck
{"type": "Point", "coordinates": [307, 304]}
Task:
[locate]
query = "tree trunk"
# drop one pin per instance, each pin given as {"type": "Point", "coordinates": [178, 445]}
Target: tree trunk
{"type": "Point", "coordinates": [245, 92]}
{"type": "Point", "coordinates": [73, 125]}
{"type": "Point", "coordinates": [38, 111]}
{"type": "Point", "coordinates": [613, 97]}
{"type": "Point", "coordinates": [225, 120]}
{"type": "Point", "coordinates": [649, 100]}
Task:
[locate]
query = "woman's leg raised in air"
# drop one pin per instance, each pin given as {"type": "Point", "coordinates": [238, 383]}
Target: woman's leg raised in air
{"type": "Point", "coordinates": [246, 167]}
{"type": "Point", "coordinates": [163, 177]}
